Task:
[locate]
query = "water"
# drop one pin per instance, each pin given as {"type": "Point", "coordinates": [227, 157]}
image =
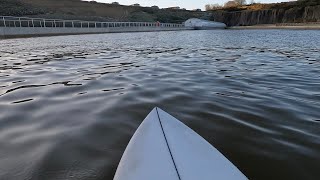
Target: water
{"type": "Point", "coordinates": [70, 104]}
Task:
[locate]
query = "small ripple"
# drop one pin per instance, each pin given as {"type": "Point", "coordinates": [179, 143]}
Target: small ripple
{"type": "Point", "coordinates": [23, 87]}
{"type": "Point", "coordinates": [114, 89]}
{"type": "Point", "coordinates": [81, 93]}
{"type": "Point", "coordinates": [22, 101]}
{"type": "Point", "coordinates": [14, 82]}
{"type": "Point", "coordinates": [66, 83]}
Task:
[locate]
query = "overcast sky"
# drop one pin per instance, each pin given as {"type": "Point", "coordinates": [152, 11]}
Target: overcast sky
{"type": "Point", "coordinates": [188, 4]}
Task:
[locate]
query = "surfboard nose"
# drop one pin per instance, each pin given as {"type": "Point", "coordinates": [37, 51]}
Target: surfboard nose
{"type": "Point", "coordinates": [147, 155]}
{"type": "Point", "coordinates": [165, 148]}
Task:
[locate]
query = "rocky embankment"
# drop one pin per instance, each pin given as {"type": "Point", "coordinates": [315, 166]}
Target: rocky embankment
{"type": "Point", "coordinates": [270, 15]}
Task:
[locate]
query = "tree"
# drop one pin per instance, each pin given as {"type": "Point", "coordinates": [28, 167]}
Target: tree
{"type": "Point", "coordinates": [209, 7]}
{"type": "Point", "coordinates": [230, 4]}
{"type": "Point", "coordinates": [240, 2]}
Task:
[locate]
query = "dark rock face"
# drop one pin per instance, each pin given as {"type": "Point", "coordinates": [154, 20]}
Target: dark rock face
{"type": "Point", "coordinates": [270, 16]}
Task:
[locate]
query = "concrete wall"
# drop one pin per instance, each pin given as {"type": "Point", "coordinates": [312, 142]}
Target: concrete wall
{"type": "Point", "coordinates": [2, 32]}
{"type": "Point", "coordinates": [7, 32]}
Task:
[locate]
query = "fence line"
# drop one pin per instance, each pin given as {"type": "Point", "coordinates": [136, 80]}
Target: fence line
{"type": "Point", "coordinates": [10, 21]}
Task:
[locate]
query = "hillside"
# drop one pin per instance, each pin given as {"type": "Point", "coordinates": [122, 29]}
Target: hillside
{"type": "Point", "coordinates": [77, 9]}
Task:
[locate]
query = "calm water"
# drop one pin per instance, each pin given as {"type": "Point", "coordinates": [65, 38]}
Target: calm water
{"type": "Point", "coordinates": [70, 104]}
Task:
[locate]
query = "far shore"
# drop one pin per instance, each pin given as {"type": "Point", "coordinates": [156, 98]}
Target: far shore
{"type": "Point", "coordinates": [298, 26]}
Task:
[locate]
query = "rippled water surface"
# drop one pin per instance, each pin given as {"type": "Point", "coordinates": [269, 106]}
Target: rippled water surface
{"type": "Point", "coordinates": [70, 104]}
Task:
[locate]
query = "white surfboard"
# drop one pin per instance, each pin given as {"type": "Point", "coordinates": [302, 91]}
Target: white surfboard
{"type": "Point", "coordinates": [163, 148]}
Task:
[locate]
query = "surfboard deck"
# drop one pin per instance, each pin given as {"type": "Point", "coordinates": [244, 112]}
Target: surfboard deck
{"type": "Point", "coordinates": [163, 148]}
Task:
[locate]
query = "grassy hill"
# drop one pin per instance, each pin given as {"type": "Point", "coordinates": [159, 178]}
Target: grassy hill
{"type": "Point", "coordinates": [77, 9]}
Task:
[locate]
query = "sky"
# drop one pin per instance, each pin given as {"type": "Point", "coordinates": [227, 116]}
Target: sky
{"type": "Point", "coordinates": [188, 4]}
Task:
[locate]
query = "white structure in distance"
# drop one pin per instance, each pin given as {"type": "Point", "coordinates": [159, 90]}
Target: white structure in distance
{"type": "Point", "coordinates": [204, 24]}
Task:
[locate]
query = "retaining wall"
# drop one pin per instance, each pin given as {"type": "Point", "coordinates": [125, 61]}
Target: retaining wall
{"type": "Point", "coordinates": [9, 32]}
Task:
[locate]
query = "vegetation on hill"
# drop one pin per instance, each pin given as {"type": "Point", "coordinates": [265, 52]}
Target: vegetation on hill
{"type": "Point", "coordinates": [84, 10]}
{"type": "Point", "coordinates": [18, 8]}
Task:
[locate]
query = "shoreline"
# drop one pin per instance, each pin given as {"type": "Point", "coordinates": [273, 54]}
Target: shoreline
{"type": "Point", "coordinates": [293, 26]}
